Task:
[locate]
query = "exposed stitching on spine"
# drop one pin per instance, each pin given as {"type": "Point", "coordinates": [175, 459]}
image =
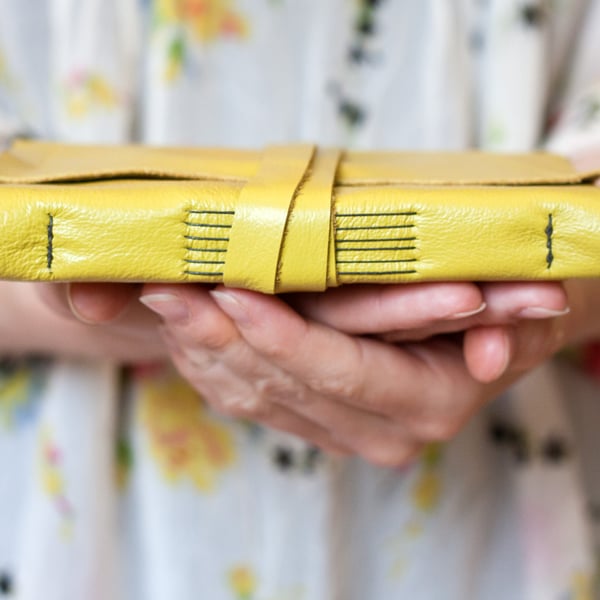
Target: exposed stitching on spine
{"type": "Point", "coordinates": [549, 231]}
{"type": "Point", "coordinates": [50, 243]}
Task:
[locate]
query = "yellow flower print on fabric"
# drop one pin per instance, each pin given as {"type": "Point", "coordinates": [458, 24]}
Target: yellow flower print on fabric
{"type": "Point", "coordinates": [52, 481]}
{"type": "Point", "coordinates": [427, 489]}
{"type": "Point", "coordinates": [242, 582]}
{"type": "Point", "coordinates": [87, 92]}
{"type": "Point", "coordinates": [425, 495]}
{"type": "Point", "coordinates": [205, 21]}
{"type": "Point", "coordinates": [582, 587]}
{"type": "Point", "coordinates": [208, 20]}
{"type": "Point", "coordinates": [185, 440]}
{"type": "Point", "coordinates": [14, 396]}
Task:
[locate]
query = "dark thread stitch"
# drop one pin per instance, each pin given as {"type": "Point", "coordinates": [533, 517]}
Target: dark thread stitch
{"type": "Point", "coordinates": [392, 249]}
{"type": "Point", "coordinates": [206, 225]}
{"type": "Point", "coordinates": [367, 240]}
{"type": "Point", "coordinates": [206, 239]}
{"type": "Point", "coordinates": [210, 212]}
{"type": "Point", "coordinates": [376, 272]}
{"type": "Point", "coordinates": [204, 262]}
{"type": "Point", "coordinates": [374, 227]}
{"type": "Point", "coordinates": [392, 214]}
{"type": "Point", "coordinates": [549, 231]}
{"type": "Point", "coordinates": [364, 262]}
{"type": "Point", "coordinates": [49, 247]}
{"type": "Point", "coordinates": [190, 249]}
{"type": "Point", "coordinates": [203, 273]}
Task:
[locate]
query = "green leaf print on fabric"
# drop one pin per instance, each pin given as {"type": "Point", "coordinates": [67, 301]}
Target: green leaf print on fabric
{"type": "Point", "coordinates": [352, 111]}
{"type": "Point", "coordinates": [123, 462]}
{"type": "Point", "coordinates": [495, 135]}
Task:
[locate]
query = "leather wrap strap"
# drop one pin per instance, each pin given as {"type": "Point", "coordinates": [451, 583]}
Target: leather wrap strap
{"type": "Point", "coordinates": [285, 209]}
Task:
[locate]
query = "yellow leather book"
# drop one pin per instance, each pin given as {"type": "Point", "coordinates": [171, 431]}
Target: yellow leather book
{"type": "Point", "coordinates": [292, 218]}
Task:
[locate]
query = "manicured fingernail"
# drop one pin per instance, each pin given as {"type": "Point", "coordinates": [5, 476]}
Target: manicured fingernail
{"type": "Point", "coordinates": [168, 306]}
{"type": "Point", "coordinates": [78, 311]}
{"type": "Point", "coordinates": [506, 355]}
{"type": "Point", "coordinates": [231, 306]}
{"type": "Point", "coordinates": [541, 312]}
{"type": "Point", "coordinates": [468, 313]}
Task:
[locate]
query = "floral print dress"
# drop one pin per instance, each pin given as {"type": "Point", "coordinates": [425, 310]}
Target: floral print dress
{"type": "Point", "coordinates": [123, 484]}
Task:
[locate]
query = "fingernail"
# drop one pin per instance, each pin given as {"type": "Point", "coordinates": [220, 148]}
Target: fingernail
{"type": "Point", "coordinates": [76, 310]}
{"type": "Point", "coordinates": [506, 357]}
{"type": "Point", "coordinates": [168, 306]}
{"type": "Point", "coordinates": [541, 312]}
{"type": "Point", "coordinates": [468, 313]}
{"type": "Point", "coordinates": [231, 306]}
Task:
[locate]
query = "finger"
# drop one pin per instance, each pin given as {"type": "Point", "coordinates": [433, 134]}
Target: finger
{"type": "Point", "coordinates": [407, 384]}
{"type": "Point", "coordinates": [100, 302]}
{"type": "Point", "coordinates": [216, 392]}
{"type": "Point", "coordinates": [510, 301]}
{"type": "Point", "coordinates": [111, 304]}
{"type": "Point", "coordinates": [245, 384]}
{"type": "Point", "coordinates": [55, 297]}
{"type": "Point", "coordinates": [373, 309]}
{"type": "Point", "coordinates": [506, 304]}
{"type": "Point", "coordinates": [488, 352]}
{"type": "Point", "coordinates": [494, 353]}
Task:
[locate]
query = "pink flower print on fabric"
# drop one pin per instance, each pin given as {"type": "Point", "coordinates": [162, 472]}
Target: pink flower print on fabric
{"type": "Point", "coordinates": [86, 92]}
{"type": "Point", "coordinates": [52, 480]}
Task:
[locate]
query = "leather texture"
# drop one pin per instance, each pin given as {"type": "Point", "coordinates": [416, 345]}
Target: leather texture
{"type": "Point", "coordinates": [292, 218]}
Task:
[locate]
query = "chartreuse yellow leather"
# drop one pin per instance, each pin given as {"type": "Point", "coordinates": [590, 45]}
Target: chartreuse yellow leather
{"type": "Point", "coordinates": [292, 218]}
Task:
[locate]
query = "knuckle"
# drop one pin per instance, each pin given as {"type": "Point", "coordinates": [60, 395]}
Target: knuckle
{"type": "Point", "coordinates": [436, 428]}
{"type": "Point", "coordinates": [200, 360]}
{"type": "Point", "coordinates": [346, 385]}
{"type": "Point", "coordinates": [281, 388]}
{"type": "Point", "coordinates": [213, 337]}
{"type": "Point", "coordinates": [246, 407]}
{"type": "Point", "coordinates": [277, 348]}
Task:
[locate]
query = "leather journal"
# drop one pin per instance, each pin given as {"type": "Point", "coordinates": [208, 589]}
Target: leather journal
{"type": "Point", "coordinates": [292, 218]}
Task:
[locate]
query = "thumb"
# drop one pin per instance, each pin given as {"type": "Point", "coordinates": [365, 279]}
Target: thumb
{"type": "Point", "coordinates": [494, 352]}
{"type": "Point", "coordinates": [91, 303]}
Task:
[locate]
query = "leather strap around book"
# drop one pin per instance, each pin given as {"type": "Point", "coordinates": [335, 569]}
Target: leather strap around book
{"type": "Point", "coordinates": [284, 215]}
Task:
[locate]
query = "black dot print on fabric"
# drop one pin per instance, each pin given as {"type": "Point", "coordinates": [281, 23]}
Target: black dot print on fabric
{"type": "Point", "coordinates": [6, 584]}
